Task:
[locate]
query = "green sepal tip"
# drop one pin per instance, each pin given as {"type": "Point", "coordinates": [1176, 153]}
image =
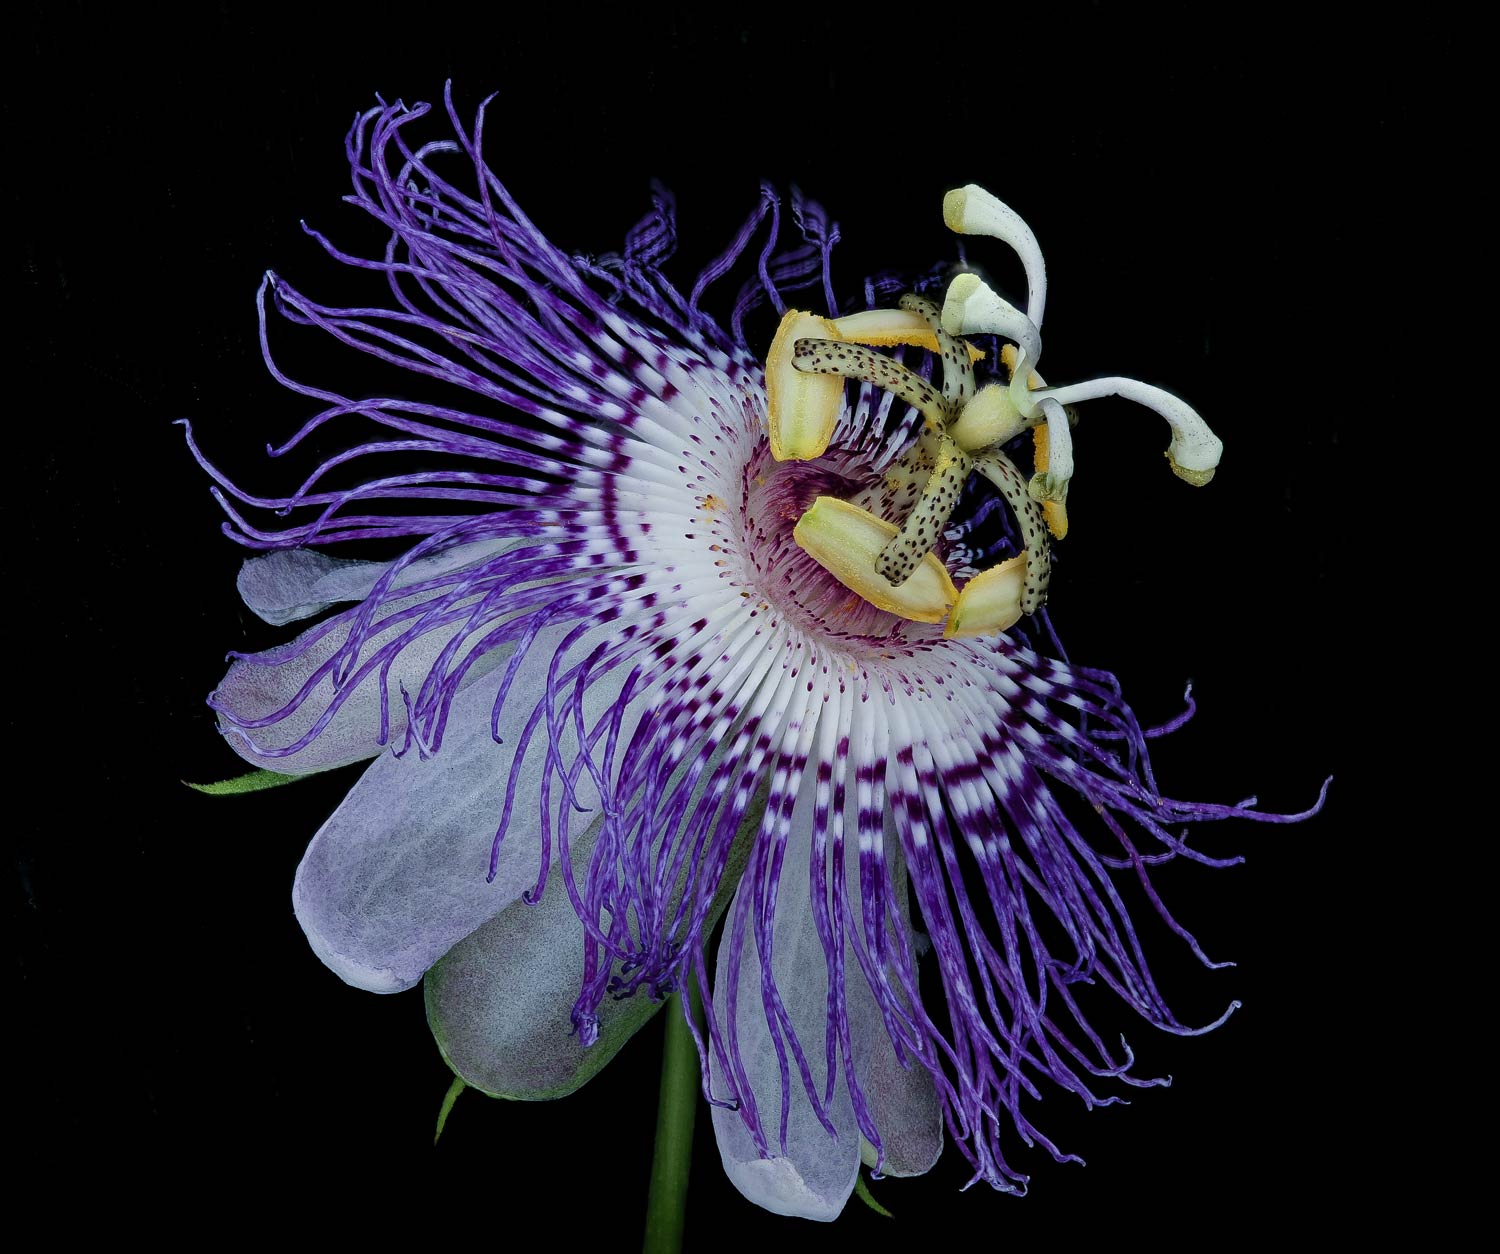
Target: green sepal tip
{"type": "Point", "coordinates": [451, 1096]}
{"type": "Point", "coordinates": [862, 1191]}
{"type": "Point", "coordinates": [255, 781]}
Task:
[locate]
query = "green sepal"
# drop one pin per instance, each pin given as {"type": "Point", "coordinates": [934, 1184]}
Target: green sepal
{"type": "Point", "coordinates": [451, 1096]}
{"type": "Point", "coordinates": [862, 1191]}
{"type": "Point", "coordinates": [613, 1033]}
{"type": "Point", "coordinates": [255, 781]}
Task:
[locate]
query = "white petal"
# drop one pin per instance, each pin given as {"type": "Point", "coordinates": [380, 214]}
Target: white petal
{"type": "Point", "coordinates": [774, 1183]}
{"type": "Point", "coordinates": [396, 876]}
{"type": "Point", "coordinates": [292, 584]}
{"type": "Point", "coordinates": [814, 1178]}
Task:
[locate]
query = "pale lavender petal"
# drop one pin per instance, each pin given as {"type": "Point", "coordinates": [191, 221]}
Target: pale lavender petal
{"type": "Point", "coordinates": [814, 1177]}
{"type": "Point", "coordinates": [257, 687]}
{"type": "Point", "coordinates": [292, 584]}
{"type": "Point", "coordinates": [397, 875]}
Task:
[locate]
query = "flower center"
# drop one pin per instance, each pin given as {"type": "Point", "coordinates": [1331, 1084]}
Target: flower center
{"type": "Point", "coordinates": [792, 579]}
{"type": "Point", "coordinates": [893, 559]}
{"type": "Point", "coordinates": [887, 546]}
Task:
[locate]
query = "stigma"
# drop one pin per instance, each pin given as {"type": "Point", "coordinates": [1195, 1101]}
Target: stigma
{"type": "Point", "coordinates": [897, 564]}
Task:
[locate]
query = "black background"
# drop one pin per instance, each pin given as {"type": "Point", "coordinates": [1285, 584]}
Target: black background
{"type": "Point", "coordinates": [1208, 198]}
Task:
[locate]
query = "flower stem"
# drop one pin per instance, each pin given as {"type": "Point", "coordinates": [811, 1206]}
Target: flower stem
{"type": "Point", "coordinates": [666, 1206]}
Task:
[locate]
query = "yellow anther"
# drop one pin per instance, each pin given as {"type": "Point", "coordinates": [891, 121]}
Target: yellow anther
{"type": "Point", "coordinates": [802, 408]}
{"type": "Point", "coordinates": [885, 328]}
{"type": "Point", "coordinates": [990, 602]}
{"type": "Point", "coordinates": [846, 540]}
{"type": "Point", "coordinates": [1055, 513]}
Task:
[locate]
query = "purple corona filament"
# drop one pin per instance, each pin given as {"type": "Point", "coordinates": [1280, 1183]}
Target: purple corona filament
{"type": "Point", "coordinates": [608, 677]}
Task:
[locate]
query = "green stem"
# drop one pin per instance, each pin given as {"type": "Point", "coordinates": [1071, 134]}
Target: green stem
{"type": "Point", "coordinates": [666, 1206]}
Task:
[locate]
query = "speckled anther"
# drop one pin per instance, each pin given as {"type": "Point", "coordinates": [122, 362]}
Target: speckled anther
{"type": "Point", "coordinates": [852, 361]}
{"type": "Point", "coordinates": [890, 328]}
{"type": "Point", "coordinates": [925, 523]}
{"type": "Point", "coordinates": [1001, 471]}
{"type": "Point", "coordinates": [846, 540]}
{"type": "Point", "coordinates": [801, 409]}
{"type": "Point", "coordinates": [958, 368]}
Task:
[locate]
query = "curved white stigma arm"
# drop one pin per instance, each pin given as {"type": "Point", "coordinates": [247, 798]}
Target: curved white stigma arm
{"type": "Point", "coordinates": [1194, 451]}
{"type": "Point", "coordinates": [1050, 483]}
{"type": "Point", "coordinates": [971, 308]}
{"type": "Point", "coordinates": [973, 211]}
